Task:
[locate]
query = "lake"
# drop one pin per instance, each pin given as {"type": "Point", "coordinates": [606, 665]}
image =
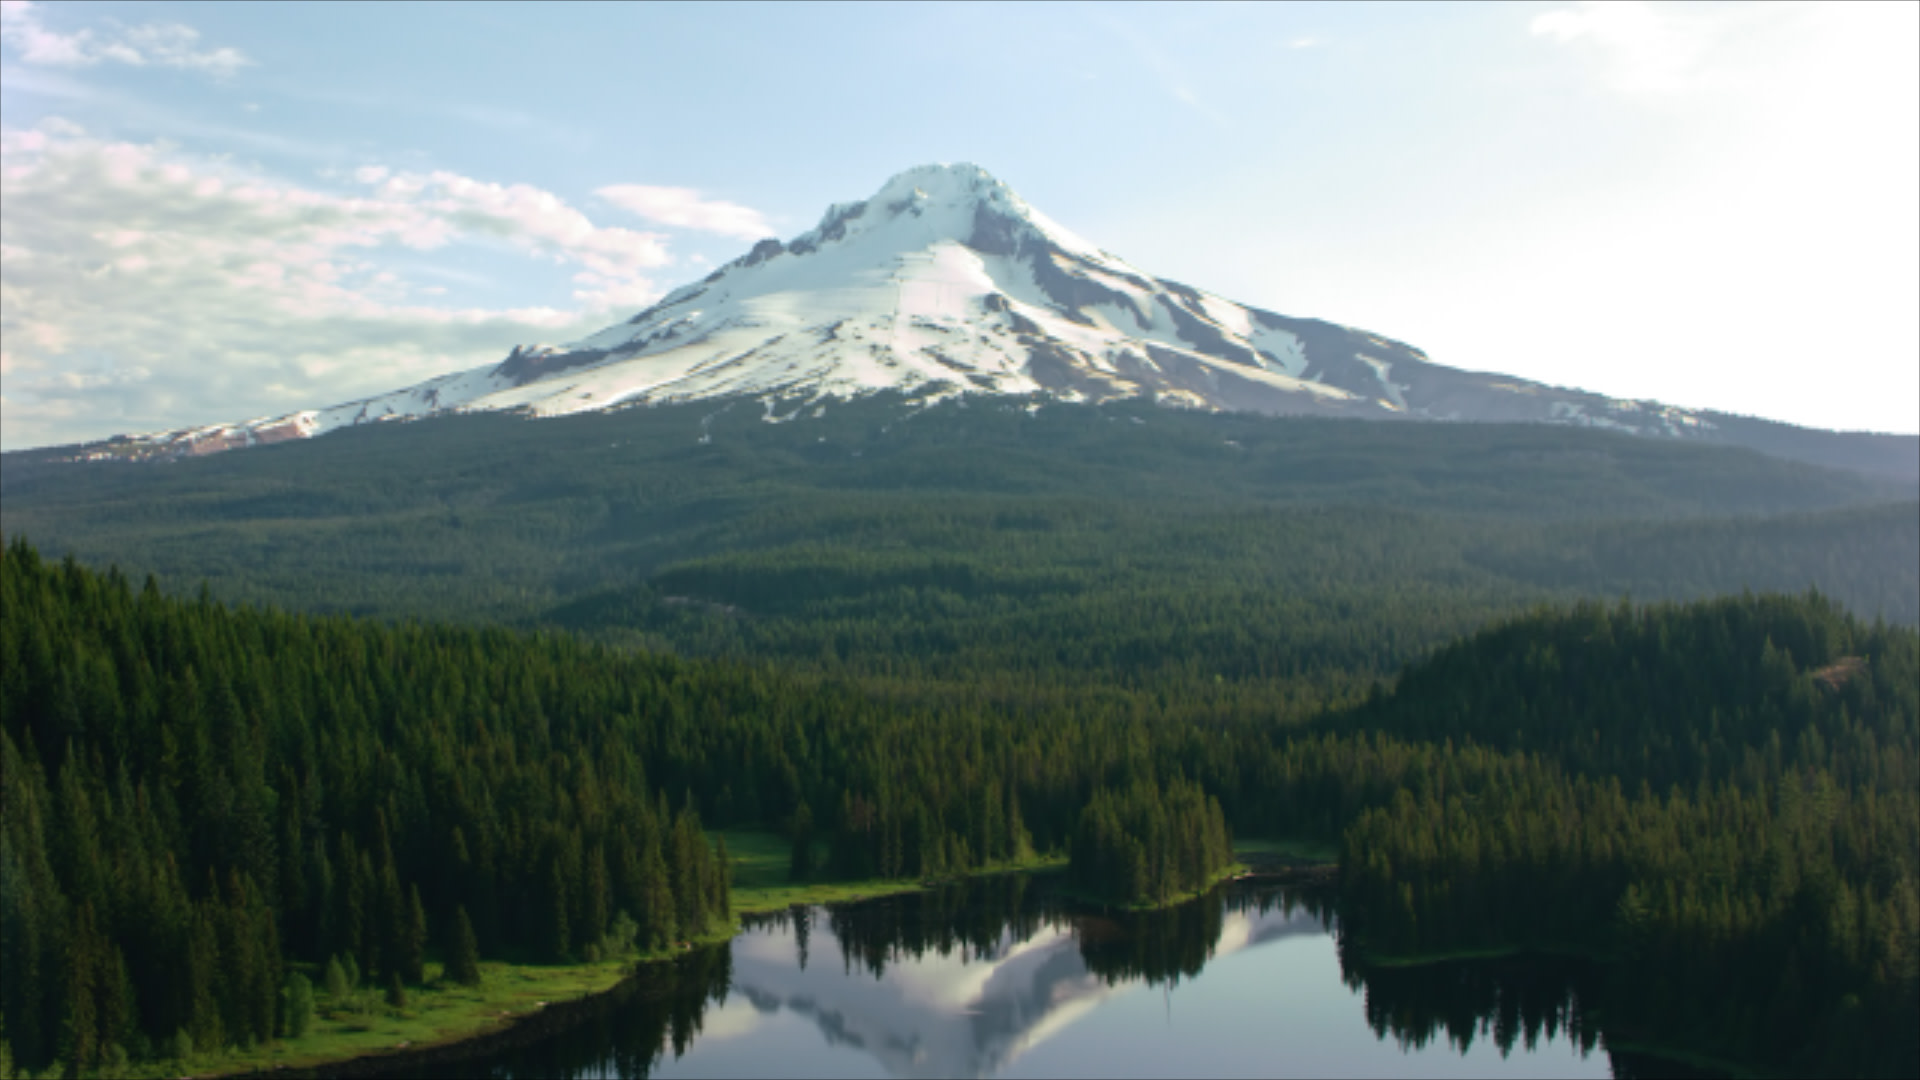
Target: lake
{"type": "Point", "coordinates": [1006, 977]}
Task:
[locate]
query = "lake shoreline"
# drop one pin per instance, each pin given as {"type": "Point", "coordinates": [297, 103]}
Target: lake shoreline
{"type": "Point", "coordinates": [1667, 1052]}
{"type": "Point", "coordinates": [507, 1031]}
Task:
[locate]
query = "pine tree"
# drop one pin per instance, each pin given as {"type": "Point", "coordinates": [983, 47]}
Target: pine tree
{"type": "Point", "coordinates": [80, 1039]}
{"type": "Point", "coordinates": [394, 924]}
{"type": "Point", "coordinates": [658, 927]}
{"type": "Point", "coordinates": [800, 864]}
{"type": "Point", "coordinates": [723, 876]}
{"type": "Point", "coordinates": [335, 981]}
{"type": "Point", "coordinates": [203, 971]}
{"type": "Point", "coordinates": [118, 1010]}
{"type": "Point", "coordinates": [690, 871]}
{"type": "Point", "coordinates": [597, 900]}
{"type": "Point", "coordinates": [22, 979]}
{"type": "Point", "coordinates": [413, 944]}
{"type": "Point", "coordinates": [299, 1005]}
{"type": "Point", "coordinates": [463, 952]}
{"type": "Point", "coordinates": [557, 939]}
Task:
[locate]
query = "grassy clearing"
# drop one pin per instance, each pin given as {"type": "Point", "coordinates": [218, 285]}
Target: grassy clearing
{"type": "Point", "coordinates": [761, 860]}
{"type": "Point", "coordinates": [1304, 850]}
{"type": "Point", "coordinates": [439, 1012]}
{"type": "Point", "coordinates": [442, 1011]}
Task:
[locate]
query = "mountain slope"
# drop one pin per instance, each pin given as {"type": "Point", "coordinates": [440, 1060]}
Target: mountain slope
{"type": "Point", "coordinates": [1251, 562]}
{"type": "Point", "coordinates": [947, 282]}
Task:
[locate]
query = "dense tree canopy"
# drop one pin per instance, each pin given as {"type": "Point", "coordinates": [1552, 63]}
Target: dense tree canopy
{"type": "Point", "coordinates": [196, 797]}
{"type": "Point", "coordinates": [199, 798]}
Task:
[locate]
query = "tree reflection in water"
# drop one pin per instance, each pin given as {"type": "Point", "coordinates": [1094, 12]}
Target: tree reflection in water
{"type": "Point", "coordinates": [965, 978]}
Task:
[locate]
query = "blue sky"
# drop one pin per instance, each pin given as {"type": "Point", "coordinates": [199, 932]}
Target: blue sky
{"type": "Point", "coordinates": [219, 211]}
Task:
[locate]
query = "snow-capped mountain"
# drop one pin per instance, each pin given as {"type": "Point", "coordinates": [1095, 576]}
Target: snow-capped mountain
{"type": "Point", "coordinates": [946, 282]}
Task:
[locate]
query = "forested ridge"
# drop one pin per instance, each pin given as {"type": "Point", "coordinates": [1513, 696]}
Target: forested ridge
{"type": "Point", "coordinates": [1718, 797]}
{"type": "Point", "coordinates": [1220, 565]}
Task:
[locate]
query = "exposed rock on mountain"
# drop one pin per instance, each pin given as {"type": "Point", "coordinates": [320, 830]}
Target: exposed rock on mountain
{"type": "Point", "coordinates": [946, 282]}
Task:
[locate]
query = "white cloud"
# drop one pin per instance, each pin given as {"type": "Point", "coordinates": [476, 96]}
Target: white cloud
{"type": "Point", "coordinates": [143, 288]}
{"type": "Point", "coordinates": [158, 44]}
{"type": "Point", "coordinates": [684, 208]}
{"type": "Point", "coordinates": [1648, 48]}
{"type": "Point", "coordinates": [525, 216]}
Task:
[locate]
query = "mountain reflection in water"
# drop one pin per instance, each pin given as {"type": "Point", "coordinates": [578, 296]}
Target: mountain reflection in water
{"type": "Point", "coordinates": [1005, 977]}
{"type": "Point", "coordinates": [955, 1004]}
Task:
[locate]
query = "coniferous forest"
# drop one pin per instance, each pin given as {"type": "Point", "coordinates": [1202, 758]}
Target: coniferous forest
{"type": "Point", "coordinates": [199, 797]}
{"type": "Point", "coordinates": [942, 642]}
{"type": "Point", "coordinates": [195, 798]}
{"type": "Point", "coordinates": [1146, 845]}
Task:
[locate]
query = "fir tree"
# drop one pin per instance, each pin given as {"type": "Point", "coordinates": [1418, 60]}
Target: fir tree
{"type": "Point", "coordinates": [463, 952]}
{"type": "Point", "coordinates": [299, 1005]}
{"type": "Point", "coordinates": [335, 981]}
{"type": "Point", "coordinates": [557, 942]}
{"type": "Point", "coordinates": [800, 829]}
{"type": "Point", "coordinates": [413, 944]}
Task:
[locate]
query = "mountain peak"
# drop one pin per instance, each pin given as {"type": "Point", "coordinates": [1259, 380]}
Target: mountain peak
{"type": "Point", "coordinates": [944, 282]}
{"type": "Point", "coordinates": [960, 202]}
{"type": "Point", "coordinates": [942, 181]}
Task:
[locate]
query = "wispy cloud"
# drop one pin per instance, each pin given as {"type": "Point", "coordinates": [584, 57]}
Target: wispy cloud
{"type": "Point", "coordinates": [172, 45]}
{"type": "Point", "coordinates": [143, 287]}
{"type": "Point", "coordinates": [685, 208]}
{"type": "Point", "coordinates": [1648, 48]}
{"type": "Point", "coordinates": [1168, 75]}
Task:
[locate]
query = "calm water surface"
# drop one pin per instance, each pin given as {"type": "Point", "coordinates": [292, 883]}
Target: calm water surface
{"type": "Point", "coordinates": [1003, 977]}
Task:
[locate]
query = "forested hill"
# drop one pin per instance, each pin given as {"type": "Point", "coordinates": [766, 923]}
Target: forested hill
{"type": "Point", "coordinates": [1723, 691]}
{"type": "Point", "coordinates": [1721, 798]}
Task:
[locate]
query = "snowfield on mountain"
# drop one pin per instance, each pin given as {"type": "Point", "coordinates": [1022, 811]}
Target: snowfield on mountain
{"type": "Point", "coordinates": [945, 283]}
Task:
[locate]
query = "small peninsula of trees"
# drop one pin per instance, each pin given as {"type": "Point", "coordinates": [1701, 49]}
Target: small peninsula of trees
{"type": "Point", "coordinates": [1144, 845]}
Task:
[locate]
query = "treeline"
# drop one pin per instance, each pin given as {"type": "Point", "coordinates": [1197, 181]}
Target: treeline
{"type": "Point", "coordinates": [911, 838]}
{"type": "Point", "coordinates": [1734, 690]}
{"type": "Point", "coordinates": [1145, 845]}
{"type": "Point", "coordinates": [196, 800]}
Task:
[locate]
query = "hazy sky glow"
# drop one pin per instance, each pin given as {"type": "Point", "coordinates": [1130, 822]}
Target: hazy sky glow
{"type": "Point", "coordinates": [223, 211]}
